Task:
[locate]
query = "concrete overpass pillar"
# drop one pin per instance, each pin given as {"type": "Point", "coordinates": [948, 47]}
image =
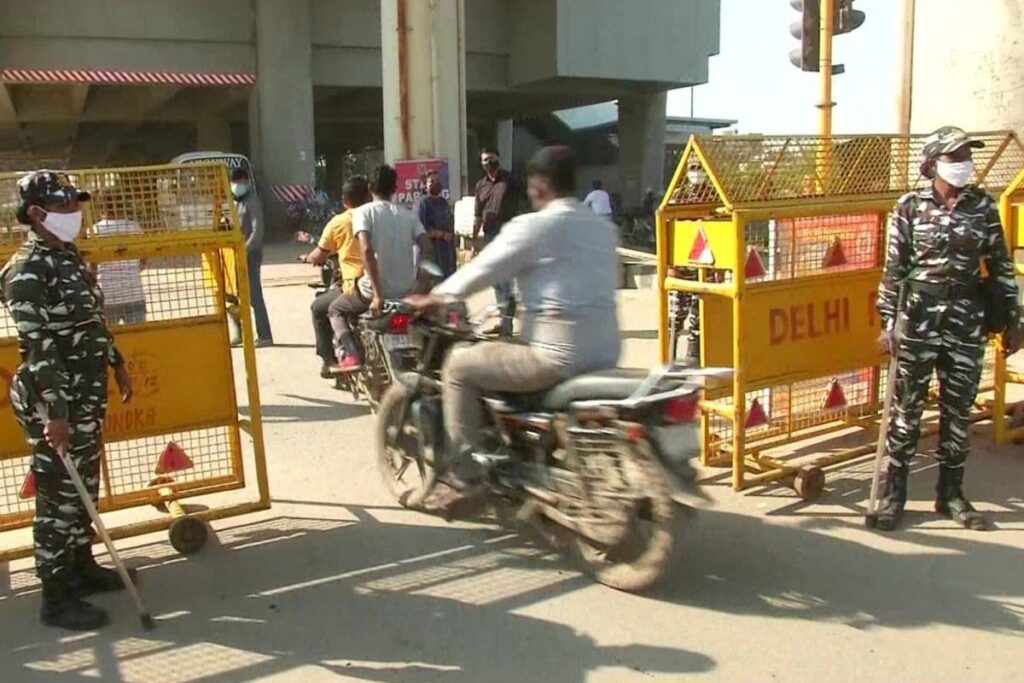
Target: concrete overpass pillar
{"type": "Point", "coordinates": [424, 83]}
{"type": "Point", "coordinates": [283, 136]}
{"type": "Point", "coordinates": [506, 141]}
{"type": "Point", "coordinates": [213, 134]}
{"type": "Point", "coordinates": [641, 145]}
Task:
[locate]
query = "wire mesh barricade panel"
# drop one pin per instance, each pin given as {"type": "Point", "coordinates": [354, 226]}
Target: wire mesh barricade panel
{"type": "Point", "coordinates": [753, 169]}
{"type": "Point", "coordinates": [162, 244]}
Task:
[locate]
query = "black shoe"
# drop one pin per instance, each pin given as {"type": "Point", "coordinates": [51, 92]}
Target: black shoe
{"type": "Point", "coordinates": [951, 502]}
{"type": "Point", "coordinates": [61, 609]}
{"type": "Point", "coordinates": [87, 576]}
{"type": "Point", "coordinates": [890, 512]}
{"type": "Point", "coordinates": [326, 371]}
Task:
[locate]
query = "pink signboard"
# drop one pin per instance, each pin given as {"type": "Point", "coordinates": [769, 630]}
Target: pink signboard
{"type": "Point", "coordinates": [412, 177]}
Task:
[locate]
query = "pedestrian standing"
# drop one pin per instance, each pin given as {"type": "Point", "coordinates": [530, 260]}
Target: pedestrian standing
{"type": "Point", "coordinates": [59, 392]}
{"type": "Point", "coordinates": [436, 216]}
{"type": "Point", "coordinates": [250, 217]}
{"type": "Point", "coordinates": [938, 239]}
{"type": "Point", "coordinates": [599, 201]}
{"type": "Point", "coordinates": [497, 202]}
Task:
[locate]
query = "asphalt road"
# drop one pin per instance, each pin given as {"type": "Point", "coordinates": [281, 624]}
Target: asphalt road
{"type": "Point", "coordinates": [335, 583]}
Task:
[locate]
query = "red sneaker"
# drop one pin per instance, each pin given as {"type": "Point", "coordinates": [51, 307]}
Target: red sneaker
{"type": "Point", "coordinates": [349, 363]}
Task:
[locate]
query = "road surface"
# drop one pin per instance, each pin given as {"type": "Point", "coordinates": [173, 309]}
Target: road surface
{"type": "Point", "coordinates": [336, 583]}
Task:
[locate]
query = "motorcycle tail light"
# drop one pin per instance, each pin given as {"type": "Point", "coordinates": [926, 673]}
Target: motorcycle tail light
{"type": "Point", "coordinates": [399, 323]}
{"type": "Point", "coordinates": [454, 318]}
{"type": "Point", "coordinates": [683, 409]}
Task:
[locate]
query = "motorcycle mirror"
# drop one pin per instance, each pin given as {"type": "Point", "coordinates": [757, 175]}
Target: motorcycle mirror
{"type": "Point", "coordinates": [432, 269]}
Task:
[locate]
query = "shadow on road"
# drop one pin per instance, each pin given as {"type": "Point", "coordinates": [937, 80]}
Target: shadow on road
{"type": "Point", "coordinates": [378, 602]}
{"type": "Point", "coordinates": [310, 410]}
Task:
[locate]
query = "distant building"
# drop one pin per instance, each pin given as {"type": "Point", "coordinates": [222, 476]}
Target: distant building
{"type": "Point", "coordinates": [593, 131]}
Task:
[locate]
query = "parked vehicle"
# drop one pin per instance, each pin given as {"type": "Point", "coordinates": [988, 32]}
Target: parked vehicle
{"type": "Point", "coordinates": [593, 463]}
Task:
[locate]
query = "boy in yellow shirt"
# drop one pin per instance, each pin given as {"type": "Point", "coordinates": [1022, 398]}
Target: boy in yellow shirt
{"type": "Point", "coordinates": [337, 238]}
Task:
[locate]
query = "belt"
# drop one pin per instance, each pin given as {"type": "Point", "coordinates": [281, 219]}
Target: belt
{"type": "Point", "coordinates": [946, 290]}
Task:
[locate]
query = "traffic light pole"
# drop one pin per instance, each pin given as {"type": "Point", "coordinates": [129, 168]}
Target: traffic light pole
{"type": "Point", "coordinates": [825, 105]}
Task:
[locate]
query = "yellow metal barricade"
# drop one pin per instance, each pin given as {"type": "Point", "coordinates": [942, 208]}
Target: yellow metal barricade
{"type": "Point", "coordinates": [783, 241]}
{"type": "Point", "coordinates": [1007, 416]}
{"type": "Point", "coordinates": [162, 246]}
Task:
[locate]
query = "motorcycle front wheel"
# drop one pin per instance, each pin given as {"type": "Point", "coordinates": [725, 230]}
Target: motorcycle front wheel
{"type": "Point", "coordinates": [400, 460]}
{"type": "Point", "coordinates": [642, 556]}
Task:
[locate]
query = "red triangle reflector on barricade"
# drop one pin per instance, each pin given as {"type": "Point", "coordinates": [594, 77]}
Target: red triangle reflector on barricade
{"type": "Point", "coordinates": [701, 252]}
{"type": "Point", "coordinates": [754, 266]}
{"type": "Point", "coordinates": [173, 459]}
{"type": "Point", "coordinates": [835, 398]}
{"type": "Point", "coordinates": [756, 417]}
{"type": "Point", "coordinates": [835, 256]}
{"type": "Point", "coordinates": [28, 487]}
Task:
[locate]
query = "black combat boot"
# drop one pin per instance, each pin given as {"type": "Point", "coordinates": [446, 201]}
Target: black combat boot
{"type": "Point", "coordinates": [62, 609]}
{"type": "Point", "coordinates": [890, 511]}
{"type": "Point", "coordinates": [951, 501]}
{"type": "Point", "coordinates": [87, 576]}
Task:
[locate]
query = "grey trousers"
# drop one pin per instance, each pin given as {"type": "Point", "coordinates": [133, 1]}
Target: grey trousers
{"type": "Point", "coordinates": [490, 366]}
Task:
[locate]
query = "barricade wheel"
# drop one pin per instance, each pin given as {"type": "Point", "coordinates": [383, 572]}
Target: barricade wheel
{"type": "Point", "coordinates": [809, 483]}
{"type": "Point", "coordinates": [188, 535]}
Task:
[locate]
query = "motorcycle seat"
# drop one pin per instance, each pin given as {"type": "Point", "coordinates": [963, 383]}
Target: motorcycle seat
{"type": "Point", "coordinates": [615, 384]}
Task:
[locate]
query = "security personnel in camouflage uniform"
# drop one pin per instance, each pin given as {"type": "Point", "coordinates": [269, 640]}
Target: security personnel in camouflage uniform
{"type": "Point", "coordinates": [59, 393]}
{"type": "Point", "coordinates": [937, 239]}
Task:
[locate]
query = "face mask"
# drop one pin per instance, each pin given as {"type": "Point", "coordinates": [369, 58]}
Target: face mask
{"type": "Point", "coordinates": [64, 226]}
{"type": "Point", "coordinates": [239, 190]}
{"type": "Point", "coordinates": [956, 173]}
{"type": "Point", "coordinates": [696, 177]}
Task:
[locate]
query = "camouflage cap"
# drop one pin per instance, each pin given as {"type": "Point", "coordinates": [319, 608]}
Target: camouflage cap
{"type": "Point", "coordinates": [947, 140]}
{"type": "Point", "coordinates": [43, 187]}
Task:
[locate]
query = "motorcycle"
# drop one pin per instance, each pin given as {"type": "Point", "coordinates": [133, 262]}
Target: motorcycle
{"type": "Point", "coordinates": [386, 348]}
{"type": "Point", "coordinates": [592, 463]}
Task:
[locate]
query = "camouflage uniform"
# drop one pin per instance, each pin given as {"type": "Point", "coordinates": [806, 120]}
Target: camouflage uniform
{"type": "Point", "coordinates": [65, 350]}
{"type": "Point", "coordinates": [936, 252]}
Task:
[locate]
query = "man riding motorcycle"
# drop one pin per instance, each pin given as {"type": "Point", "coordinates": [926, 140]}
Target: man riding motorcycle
{"type": "Point", "coordinates": [564, 258]}
{"type": "Point", "coordinates": [386, 233]}
{"type": "Point", "coordinates": [337, 239]}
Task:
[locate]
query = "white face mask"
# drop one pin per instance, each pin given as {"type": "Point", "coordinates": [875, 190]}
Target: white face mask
{"type": "Point", "coordinates": [64, 226]}
{"type": "Point", "coordinates": [956, 173]}
{"type": "Point", "coordinates": [696, 177]}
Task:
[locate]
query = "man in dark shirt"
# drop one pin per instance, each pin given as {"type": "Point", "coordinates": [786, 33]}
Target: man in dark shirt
{"type": "Point", "coordinates": [496, 204]}
{"type": "Point", "coordinates": [436, 216]}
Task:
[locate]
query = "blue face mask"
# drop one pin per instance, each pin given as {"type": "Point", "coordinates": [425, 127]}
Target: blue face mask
{"type": "Point", "coordinates": [239, 191]}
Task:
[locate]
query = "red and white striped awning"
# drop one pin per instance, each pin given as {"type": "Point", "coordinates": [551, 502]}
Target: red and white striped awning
{"type": "Point", "coordinates": [291, 194]}
{"type": "Point", "coordinates": [112, 77]}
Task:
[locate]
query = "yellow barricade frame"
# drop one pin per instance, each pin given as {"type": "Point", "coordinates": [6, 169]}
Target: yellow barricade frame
{"type": "Point", "coordinates": [186, 220]}
{"type": "Point", "coordinates": [757, 181]}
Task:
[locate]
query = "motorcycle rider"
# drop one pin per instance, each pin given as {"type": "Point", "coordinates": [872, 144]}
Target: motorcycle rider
{"type": "Point", "coordinates": [337, 238]}
{"type": "Point", "coordinates": [564, 258]}
{"type": "Point", "coordinates": [387, 233]}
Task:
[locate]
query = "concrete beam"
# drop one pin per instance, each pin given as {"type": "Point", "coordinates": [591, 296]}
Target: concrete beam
{"type": "Point", "coordinates": [79, 98]}
{"type": "Point", "coordinates": [10, 126]}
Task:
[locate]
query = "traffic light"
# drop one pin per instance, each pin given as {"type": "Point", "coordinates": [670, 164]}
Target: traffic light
{"type": "Point", "coordinates": [847, 18]}
{"type": "Point", "coordinates": [808, 32]}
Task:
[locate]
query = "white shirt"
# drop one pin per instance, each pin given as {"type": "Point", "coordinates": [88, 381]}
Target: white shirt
{"type": "Point", "coordinates": [599, 202]}
{"type": "Point", "coordinates": [565, 262]}
{"type": "Point", "coordinates": [393, 231]}
{"type": "Point", "coordinates": [120, 281]}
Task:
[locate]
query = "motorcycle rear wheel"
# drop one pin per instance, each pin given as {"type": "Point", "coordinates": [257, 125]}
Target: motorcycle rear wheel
{"type": "Point", "coordinates": [641, 558]}
{"type": "Point", "coordinates": [402, 466]}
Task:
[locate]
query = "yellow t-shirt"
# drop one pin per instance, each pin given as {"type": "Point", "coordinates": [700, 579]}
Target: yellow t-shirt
{"type": "Point", "coordinates": [337, 237]}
